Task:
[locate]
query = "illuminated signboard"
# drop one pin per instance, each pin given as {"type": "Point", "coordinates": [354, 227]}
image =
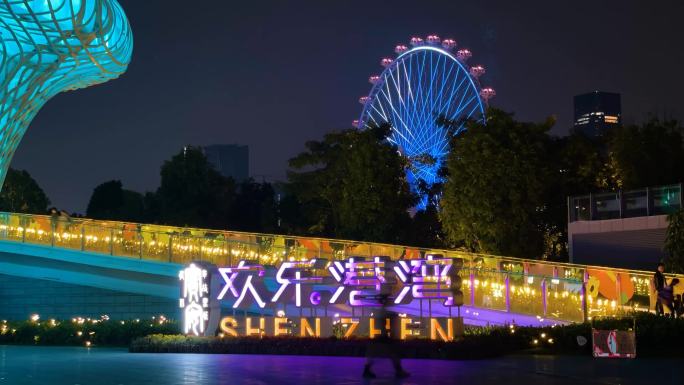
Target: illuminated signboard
{"type": "Point", "coordinates": [438, 328]}
{"type": "Point", "coordinates": [200, 310]}
{"type": "Point", "coordinates": [356, 282]}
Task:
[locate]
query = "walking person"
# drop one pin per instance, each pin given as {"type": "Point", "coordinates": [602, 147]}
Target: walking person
{"type": "Point", "coordinates": [678, 306]}
{"type": "Point", "coordinates": [658, 286]}
{"type": "Point", "coordinates": [384, 345]}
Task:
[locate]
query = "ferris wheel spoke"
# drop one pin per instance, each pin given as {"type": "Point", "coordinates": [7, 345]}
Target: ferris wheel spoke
{"type": "Point", "coordinates": [472, 112]}
{"type": "Point", "coordinates": [446, 77]}
{"type": "Point", "coordinates": [408, 81]}
{"type": "Point", "coordinates": [394, 128]}
{"type": "Point", "coordinates": [380, 111]}
{"type": "Point", "coordinates": [412, 108]}
{"type": "Point", "coordinates": [464, 106]}
{"type": "Point", "coordinates": [409, 98]}
{"type": "Point", "coordinates": [455, 90]}
{"type": "Point", "coordinates": [421, 89]}
{"type": "Point", "coordinates": [394, 112]}
{"type": "Point", "coordinates": [394, 83]}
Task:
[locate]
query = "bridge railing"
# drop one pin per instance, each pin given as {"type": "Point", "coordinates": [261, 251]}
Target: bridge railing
{"type": "Point", "coordinates": [660, 200]}
{"type": "Point", "coordinates": [548, 290]}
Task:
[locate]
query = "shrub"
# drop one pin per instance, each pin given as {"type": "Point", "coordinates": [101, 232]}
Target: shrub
{"type": "Point", "coordinates": [655, 336]}
{"type": "Point", "coordinates": [468, 348]}
{"type": "Point", "coordinates": [79, 331]}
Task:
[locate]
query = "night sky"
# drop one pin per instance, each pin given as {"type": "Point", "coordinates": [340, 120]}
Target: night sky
{"type": "Point", "coordinates": [273, 74]}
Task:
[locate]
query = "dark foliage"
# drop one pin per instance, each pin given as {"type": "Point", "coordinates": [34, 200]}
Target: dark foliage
{"type": "Point", "coordinates": [70, 332]}
{"type": "Point", "coordinates": [351, 185]}
{"type": "Point", "coordinates": [655, 336]}
{"type": "Point", "coordinates": [111, 201]}
{"type": "Point", "coordinates": [22, 194]}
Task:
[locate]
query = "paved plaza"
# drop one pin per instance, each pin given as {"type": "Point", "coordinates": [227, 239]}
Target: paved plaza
{"type": "Point", "coordinates": [76, 365]}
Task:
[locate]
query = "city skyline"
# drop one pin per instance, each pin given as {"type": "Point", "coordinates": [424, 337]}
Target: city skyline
{"type": "Point", "coordinates": [276, 79]}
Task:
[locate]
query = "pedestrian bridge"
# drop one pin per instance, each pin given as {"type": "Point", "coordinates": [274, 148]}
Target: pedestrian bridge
{"type": "Point", "coordinates": [61, 266]}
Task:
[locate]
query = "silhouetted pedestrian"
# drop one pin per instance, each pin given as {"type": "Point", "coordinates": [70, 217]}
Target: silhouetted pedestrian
{"type": "Point", "coordinates": [384, 345]}
{"type": "Point", "coordinates": [658, 286]}
{"type": "Point", "coordinates": [678, 306]}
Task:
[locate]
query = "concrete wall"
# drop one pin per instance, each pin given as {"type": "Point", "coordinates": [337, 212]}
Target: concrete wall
{"type": "Point", "coordinates": [634, 243]}
{"type": "Point", "coordinates": [20, 297]}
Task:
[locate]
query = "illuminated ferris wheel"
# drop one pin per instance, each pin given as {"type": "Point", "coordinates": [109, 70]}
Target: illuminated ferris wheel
{"type": "Point", "coordinates": [419, 90]}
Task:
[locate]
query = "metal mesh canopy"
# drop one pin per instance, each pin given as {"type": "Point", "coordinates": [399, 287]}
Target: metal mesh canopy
{"type": "Point", "coordinates": [419, 87]}
{"type": "Point", "coordinates": [50, 46]}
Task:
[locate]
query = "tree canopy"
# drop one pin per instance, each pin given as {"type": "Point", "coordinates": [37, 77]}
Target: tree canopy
{"type": "Point", "coordinates": [22, 194]}
{"type": "Point", "coordinates": [352, 185]}
{"type": "Point", "coordinates": [674, 242]}
{"type": "Point", "coordinates": [110, 201]}
{"type": "Point", "coordinates": [255, 208]}
{"type": "Point", "coordinates": [505, 187]}
{"type": "Point", "coordinates": [192, 192]}
{"type": "Point", "coordinates": [494, 194]}
{"type": "Point", "coordinates": [644, 155]}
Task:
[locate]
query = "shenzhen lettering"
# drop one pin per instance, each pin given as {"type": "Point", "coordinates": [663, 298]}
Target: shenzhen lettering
{"type": "Point", "coordinates": [356, 285]}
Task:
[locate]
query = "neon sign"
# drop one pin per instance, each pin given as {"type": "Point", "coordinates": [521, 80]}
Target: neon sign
{"type": "Point", "coordinates": [438, 328]}
{"type": "Point", "coordinates": [432, 278]}
{"type": "Point", "coordinates": [356, 282]}
{"type": "Point", "coordinates": [195, 300]}
{"type": "Point", "coordinates": [248, 277]}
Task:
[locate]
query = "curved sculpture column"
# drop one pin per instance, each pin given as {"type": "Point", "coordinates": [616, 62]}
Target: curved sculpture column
{"type": "Point", "coordinates": [50, 46]}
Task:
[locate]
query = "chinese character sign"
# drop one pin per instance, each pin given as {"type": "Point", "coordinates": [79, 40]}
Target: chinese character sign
{"type": "Point", "coordinates": [195, 299]}
{"type": "Point", "coordinates": [243, 281]}
{"type": "Point", "coordinates": [359, 282]}
{"type": "Point", "coordinates": [432, 278]}
{"type": "Point", "coordinates": [313, 283]}
{"type": "Point", "coordinates": [299, 277]}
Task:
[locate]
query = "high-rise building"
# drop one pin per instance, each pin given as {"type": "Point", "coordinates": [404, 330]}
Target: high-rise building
{"type": "Point", "coordinates": [231, 160]}
{"type": "Point", "coordinates": [597, 112]}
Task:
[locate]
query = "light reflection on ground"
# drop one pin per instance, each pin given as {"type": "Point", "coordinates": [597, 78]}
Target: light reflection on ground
{"type": "Point", "coordinates": [73, 365]}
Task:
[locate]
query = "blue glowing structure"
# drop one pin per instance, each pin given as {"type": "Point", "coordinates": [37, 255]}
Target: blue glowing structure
{"type": "Point", "coordinates": [419, 90]}
{"type": "Point", "coordinates": [50, 46]}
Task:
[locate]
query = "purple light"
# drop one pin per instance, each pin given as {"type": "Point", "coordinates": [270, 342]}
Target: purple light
{"type": "Point", "coordinates": [315, 298]}
{"type": "Point", "coordinates": [425, 279]}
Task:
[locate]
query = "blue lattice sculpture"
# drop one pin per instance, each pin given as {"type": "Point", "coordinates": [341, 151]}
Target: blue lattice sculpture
{"type": "Point", "coordinates": [50, 46]}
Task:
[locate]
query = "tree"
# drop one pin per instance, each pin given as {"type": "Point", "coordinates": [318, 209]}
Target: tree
{"type": "Point", "coordinates": [192, 192]}
{"type": "Point", "coordinates": [111, 201]}
{"type": "Point", "coordinates": [644, 155]}
{"type": "Point", "coordinates": [674, 242]}
{"type": "Point", "coordinates": [22, 194]}
{"type": "Point", "coordinates": [493, 198]}
{"type": "Point", "coordinates": [575, 166]}
{"type": "Point", "coordinates": [425, 229]}
{"type": "Point", "coordinates": [255, 208]}
{"type": "Point", "coordinates": [352, 185]}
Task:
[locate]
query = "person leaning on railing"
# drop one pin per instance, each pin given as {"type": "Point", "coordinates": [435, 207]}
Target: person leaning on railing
{"type": "Point", "coordinates": [667, 297]}
{"type": "Point", "coordinates": [658, 287]}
